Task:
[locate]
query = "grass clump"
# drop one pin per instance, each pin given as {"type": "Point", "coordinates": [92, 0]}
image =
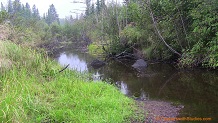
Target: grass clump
{"type": "Point", "coordinates": [32, 90]}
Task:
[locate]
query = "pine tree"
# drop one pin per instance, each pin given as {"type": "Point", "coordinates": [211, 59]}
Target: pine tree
{"type": "Point", "coordinates": [17, 6]}
{"type": "Point", "coordinates": [10, 7]}
{"type": "Point", "coordinates": [44, 16]}
{"type": "Point", "coordinates": [52, 15]}
{"type": "Point", "coordinates": [98, 6]}
{"type": "Point", "coordinates": [27, 11]}
{"type": "Point", "coordinates": [3, 13]}
{"type": "Point", "coordinates": [88, 7]}
{"type": "Point", "coordinates": [2, 7]}
{"type": "Point", "coordinates": [35, 12]}
{"type": "Point", "coordinates": [92, 11]}
{"type": "Point", "coordinates": [103, 4]}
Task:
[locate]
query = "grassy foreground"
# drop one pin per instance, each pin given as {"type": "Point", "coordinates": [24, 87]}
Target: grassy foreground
{"type": "Point", "coordinates": [32, 90]}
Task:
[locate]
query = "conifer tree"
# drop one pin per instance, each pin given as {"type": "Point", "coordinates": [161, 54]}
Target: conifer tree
{"type": "Point", "coordinates": [16, 6]}
{"type": "Point", "coordinates": [88, 7]}
{"type": "Point", "coordinates": [2, 7]}
{"type": "Point", "coordinates": [35, 12]}
{"type": "Point", "coordinates": [52, 15]}
{"type": "Point", "coordinates": [27, 11]}
{"type": "Point", "coordinates": [98, 6]}
{"type": "Point", "coordinates": [10, 7]}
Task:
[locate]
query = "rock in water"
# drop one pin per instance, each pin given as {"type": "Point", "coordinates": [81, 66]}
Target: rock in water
{"type": "Point", "coordinates": [97, 64]}
{"type": "Point", "coordinates": [140, 64]}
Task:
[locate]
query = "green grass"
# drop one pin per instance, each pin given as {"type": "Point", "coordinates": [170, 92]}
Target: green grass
{"type": "Point", "coordinates": [32, 90]}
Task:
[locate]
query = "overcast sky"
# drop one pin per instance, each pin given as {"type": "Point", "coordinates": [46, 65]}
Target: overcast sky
{"type": "Point", "coordinates": [63, 7]}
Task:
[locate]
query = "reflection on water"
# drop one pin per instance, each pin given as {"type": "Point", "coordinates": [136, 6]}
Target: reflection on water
{"type": "Point", "coordinates": [123, 87]}
{"type": "Point", "coordinates": [197, 89]}
{"type": "Point", "coordinates": [74, 61]}
{"type": "Point", "coordinates": [97, 76]}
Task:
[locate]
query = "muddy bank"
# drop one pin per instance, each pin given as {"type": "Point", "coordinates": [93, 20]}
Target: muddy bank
{"type": "Point", "coordinates": [158, 111]}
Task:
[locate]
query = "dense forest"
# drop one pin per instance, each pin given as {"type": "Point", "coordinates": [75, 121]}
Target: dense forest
{"type": "Point", "coordinates": [181, 31]}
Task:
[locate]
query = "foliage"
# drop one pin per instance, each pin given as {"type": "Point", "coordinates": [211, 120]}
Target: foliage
{"type": "Point", "coordinates": [73, 32]}
{"type": "Point", "coordinates": [133, 34]}
{"type": "Point", "coordinates": [204, 31]}
{"type": "Point", "coordinates": [189, 27]}
{"type": "Point", "coordinates": [134, 12]}
{"type": "Point", "coordinates": [3, 16]}
{"type": "Point", "coordinates": [95, 49]}
{"type": "Point", "coordinates": [56, 31]}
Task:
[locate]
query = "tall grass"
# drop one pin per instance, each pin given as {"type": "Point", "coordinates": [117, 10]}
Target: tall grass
{"type": "Point", "coordinates": [32, 90]}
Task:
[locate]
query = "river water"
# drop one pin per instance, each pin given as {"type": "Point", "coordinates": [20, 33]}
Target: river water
{"type": "Point", "coordinates": [196, 89]}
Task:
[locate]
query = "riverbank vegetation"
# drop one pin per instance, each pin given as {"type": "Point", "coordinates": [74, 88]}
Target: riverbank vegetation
{"type": "Point", "coordinates": [32, 87]}
{"type": "Point", "coordinates": [185, 32]}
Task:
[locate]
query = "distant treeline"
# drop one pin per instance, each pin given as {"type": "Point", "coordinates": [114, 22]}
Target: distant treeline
{"type": "Point", "coordinates": [16, 11]}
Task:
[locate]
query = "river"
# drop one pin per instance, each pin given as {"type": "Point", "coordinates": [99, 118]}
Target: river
{"type": "Point", "coordinates": [196, 89]}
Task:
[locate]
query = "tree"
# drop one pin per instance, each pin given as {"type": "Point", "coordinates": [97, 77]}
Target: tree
{"type": "Point", "coordinates": [2, 7]}
{"type": "Point", "coordinates": [98, 6]}
{"type": "Point", "coordinates": [103, 3]}
{"type": "Point", "coordinates": [52, 15]}
{"type": "Point", "coordinates": [44, 16]}
{"type": "Point", "coordinates": [10, 7]}
{"type": "Point", "coordinates": [3, 16]}
{"type": "Point", "coordinates": [35, 13]}
{"type": "Point", "coordinates": [88, 7]}
{"type": "Point", "coordinates": [17, 7]}
{"type": "Point", "coordinates": [92, 11]}
{"type": "Point", "coordinates": [26, 11]}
